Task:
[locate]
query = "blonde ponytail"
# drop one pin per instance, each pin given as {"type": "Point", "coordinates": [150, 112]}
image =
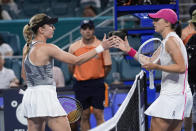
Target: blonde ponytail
{"type": "Point", "coordinates": [28, 33]}
{"type": "Point", "coordinates": [28, 36]}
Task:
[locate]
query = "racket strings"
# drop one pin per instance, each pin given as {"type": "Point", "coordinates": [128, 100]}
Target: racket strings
{"type": "Point", "coordinates": [72, 107]}
{"type": "Point", "coordinates": [150, 52]}
{"type": "Point", "coordinates": [68, 104]}
{"type": "Point", "coordinates": [75, 115]}
{"type": "Point", "coordinates": [156, 54]}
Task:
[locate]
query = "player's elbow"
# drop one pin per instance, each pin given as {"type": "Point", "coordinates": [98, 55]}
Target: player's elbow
{"type": "Point", "coordinates": [182, 69]}
{"type": "Point", "coordinates": [78, 63]}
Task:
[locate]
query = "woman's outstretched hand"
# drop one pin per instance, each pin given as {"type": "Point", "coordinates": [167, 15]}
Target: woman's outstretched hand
{"type": "Point", "coordinates": [107, 43]}
{"type": "Point", "coordinates": [121, 44]}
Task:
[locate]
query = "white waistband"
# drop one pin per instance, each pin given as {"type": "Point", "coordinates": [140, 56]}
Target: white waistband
{"type": "Point", "coordinates": [50, 87]}
{"type": "Point", "coordinates": [42, 86]}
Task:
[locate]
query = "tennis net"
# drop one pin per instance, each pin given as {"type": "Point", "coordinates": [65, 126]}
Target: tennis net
{"type": "Point", "coordinates": [130, 115]}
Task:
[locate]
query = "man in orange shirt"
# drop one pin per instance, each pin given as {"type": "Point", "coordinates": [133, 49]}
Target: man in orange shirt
{"type": "Point", "coordinates": [191, 46]}
{"type": "Point", "coordinates": [89, 77]}
{"type": "Point", "coordinates": [189, 30]}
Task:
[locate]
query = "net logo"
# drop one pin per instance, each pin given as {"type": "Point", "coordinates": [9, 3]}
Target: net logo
{"type": "Point", "coordinates": [19, 115]}
{"type": "Point", "coordinates": [14, 103]}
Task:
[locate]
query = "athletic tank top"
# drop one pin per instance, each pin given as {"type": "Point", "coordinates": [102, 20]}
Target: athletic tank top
{"type": "Point", "coordinates": [174, 83]}
{"type": "Point", "coordinates": [38, 75]}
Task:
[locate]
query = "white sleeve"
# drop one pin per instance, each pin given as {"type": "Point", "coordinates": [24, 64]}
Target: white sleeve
{"type": "Point", "coordinates": [12, 75]}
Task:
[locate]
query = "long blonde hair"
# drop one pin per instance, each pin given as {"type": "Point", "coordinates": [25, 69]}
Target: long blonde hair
{"type": "Point", "coordinates": [28, 33]}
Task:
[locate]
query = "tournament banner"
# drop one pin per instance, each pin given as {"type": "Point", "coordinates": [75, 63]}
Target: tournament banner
{"type": "Point", "coordinates": [13, 119]}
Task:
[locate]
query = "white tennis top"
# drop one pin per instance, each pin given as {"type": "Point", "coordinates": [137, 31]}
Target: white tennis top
{"type": "Point", "coordinates": [174, 83]}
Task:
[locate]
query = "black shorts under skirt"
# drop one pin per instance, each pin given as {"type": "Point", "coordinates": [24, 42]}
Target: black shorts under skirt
{"type": "Point", "coordinates": [90, 93]}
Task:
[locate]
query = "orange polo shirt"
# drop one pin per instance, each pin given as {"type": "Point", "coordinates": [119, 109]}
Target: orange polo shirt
{"type": "Point", "coordinates": [185, 41]}
{"type": "Point", "coordinates": [187, 32]}
{"type": "Point", "coordinates": [94, 68]}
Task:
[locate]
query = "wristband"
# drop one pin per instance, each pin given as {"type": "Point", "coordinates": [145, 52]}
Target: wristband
{"type": "Point", "coordinates": [99, 49]}
{"type": "Point", "coordinates": [132, 52]}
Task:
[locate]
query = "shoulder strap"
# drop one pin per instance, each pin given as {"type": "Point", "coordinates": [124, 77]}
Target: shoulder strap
{"type": "Point", "coordinates": [31, 45]}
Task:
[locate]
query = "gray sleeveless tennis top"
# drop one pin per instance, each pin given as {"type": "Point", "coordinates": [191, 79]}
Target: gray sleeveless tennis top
{"type": "Point", "coordinates": [38, 75]}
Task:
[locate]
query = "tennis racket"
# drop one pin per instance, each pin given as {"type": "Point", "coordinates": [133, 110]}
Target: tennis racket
{"type": "Point", "coordinates": [150, 51]}
{"type": "Point", "coordinates": [73, 108]}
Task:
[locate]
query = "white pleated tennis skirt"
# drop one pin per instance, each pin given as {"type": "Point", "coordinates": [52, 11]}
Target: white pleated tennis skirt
{"type": "Point", "coordinates": [171, 106]}
{"type": "Point", "coordinates": [41, 101]}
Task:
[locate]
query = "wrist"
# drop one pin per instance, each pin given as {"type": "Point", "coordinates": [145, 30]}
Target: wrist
{"type": "Point", "coordinates": [128, 49]}
{"type": "Point", "coordinates": [132, 52]}
{"type": "Point", "coordinates": [157, 66]}
{"type": "Point", "coordinates": [99, 49]}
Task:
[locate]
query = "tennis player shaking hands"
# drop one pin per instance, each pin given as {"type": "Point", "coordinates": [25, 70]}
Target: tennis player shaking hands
{"type": "Point", "coordinates": [40, 103]}
{"type": "Point", "coordinates": [175, 100]}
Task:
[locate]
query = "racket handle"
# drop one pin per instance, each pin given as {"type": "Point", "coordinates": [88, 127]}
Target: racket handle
{"type": "Point", "coordinates": [151, 78]}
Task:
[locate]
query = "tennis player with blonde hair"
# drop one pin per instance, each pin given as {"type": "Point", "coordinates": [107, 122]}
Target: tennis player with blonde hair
{"type": "Point", "coordinates": [40, 103]}
{"type": "Point", "coordinates": [175, 100]}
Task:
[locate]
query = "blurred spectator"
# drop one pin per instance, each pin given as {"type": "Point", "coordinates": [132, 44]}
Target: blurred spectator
{"type": "Point", "coordinates": [5, 48]}
{"type": "Point", "coordinates": [192, 8]}
{"type": "Point", "coordinates": [97, 3]}
{"type": "Point", "coordinates": [7, 76]}
{"type": "Point", "coordinates": [164, 1]}
{"type": "Point", "coordinates": [104, 4]}
{"type": "Point", "coordinates": [4, 15]}
{"type": "Point", "coordinates": [189, 30]}
{"type": "Point", "coordinates": [190, 42]}
{"type": "Point", "coordinates": [89, 11]}
{"type": "Point", "coordinates": [12, 5]}
{"type": "Point", "coordinates": [132, 2]}
{"type": "Point", "coordinates": [58, 77]}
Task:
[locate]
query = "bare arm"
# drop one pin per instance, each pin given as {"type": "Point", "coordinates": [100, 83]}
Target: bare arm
{"type": "Point", "coordinates": [107, 69]}
{"type": "Point", "coordinates": [145, 59]}
{"type": "Point", "coordinates": [70, 66]}
{"type": "Point", "coordinates": [107, 62]}
{"type": "Point", "coordinates": [14, 83]}
{"type": "Point", "coordinates": [125, 47]}
{"type": "Point", "coordinates": [69, 58]}
{"type": "Point", "coordinates": [23, 75]}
